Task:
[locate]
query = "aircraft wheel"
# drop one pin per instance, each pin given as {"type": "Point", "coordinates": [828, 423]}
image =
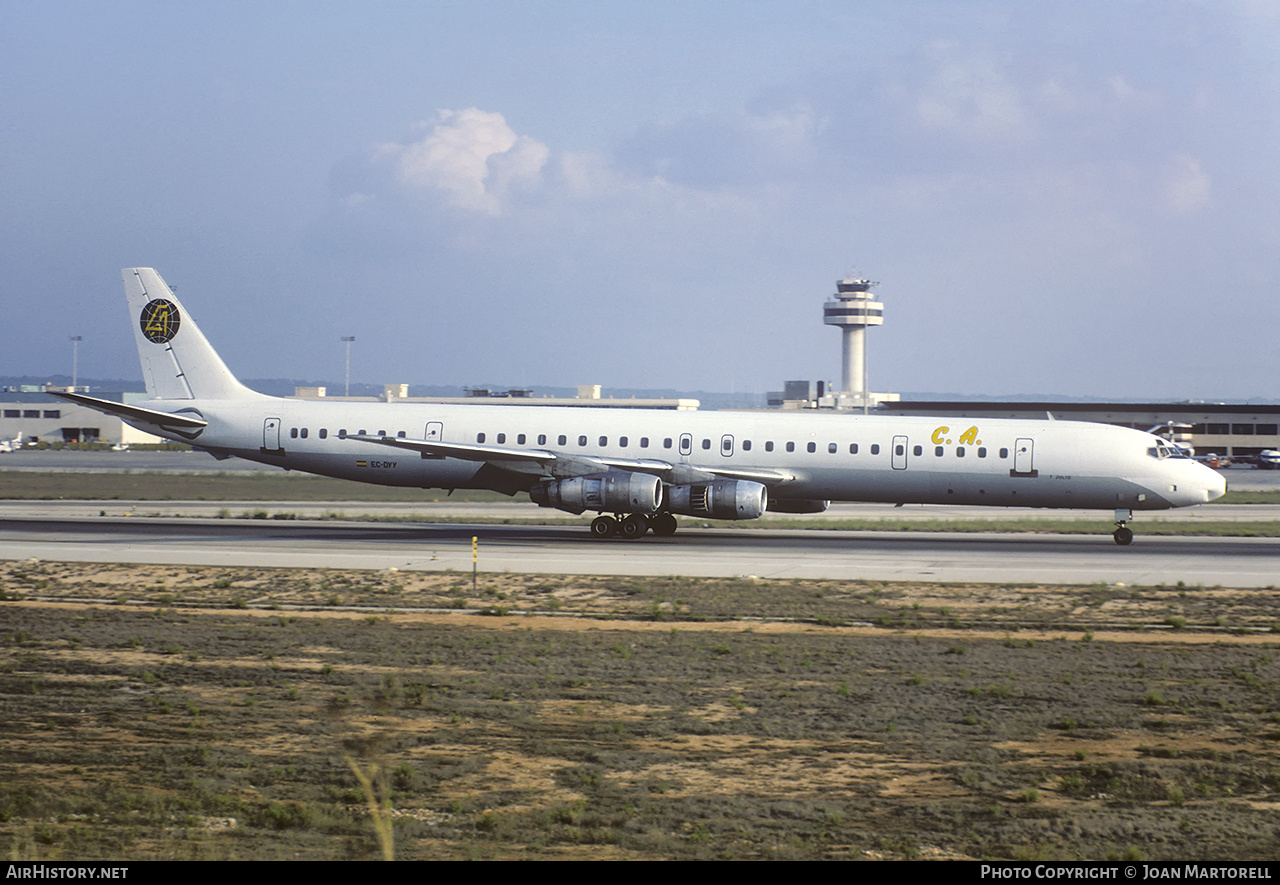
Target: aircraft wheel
{"type": "Point", "coordinates": [1124, 536]}
{"type": "Point", "coordinates": [604, 527]}
{"type": "Point", "coordinates": [663, 525]}
{"type": "Point", "coordinates": [634, 526]}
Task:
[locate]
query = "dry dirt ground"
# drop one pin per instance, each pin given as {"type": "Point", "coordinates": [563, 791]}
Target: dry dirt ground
{"type": "Point", "coordinates": [162, 712]}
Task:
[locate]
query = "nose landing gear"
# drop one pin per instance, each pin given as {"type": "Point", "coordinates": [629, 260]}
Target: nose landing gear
{"type": "Point", "coordinates": [1123, 534]}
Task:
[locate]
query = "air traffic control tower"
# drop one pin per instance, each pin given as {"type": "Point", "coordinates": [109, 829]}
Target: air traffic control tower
{"type": "Point", "coordinates": [852, 310]}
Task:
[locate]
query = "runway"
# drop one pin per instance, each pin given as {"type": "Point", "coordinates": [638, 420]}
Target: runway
{"type": "Point", "coordinates": [886, 556]}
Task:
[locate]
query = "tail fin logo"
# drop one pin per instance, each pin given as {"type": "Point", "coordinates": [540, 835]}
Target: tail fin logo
{"type": "Point", "coordinates": [160, 320]}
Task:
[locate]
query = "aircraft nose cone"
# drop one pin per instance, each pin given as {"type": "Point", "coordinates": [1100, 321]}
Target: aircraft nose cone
{"type": "Point", "coordinates": [1214, 483]}
{"type": "Point", "coordinates": [1217, 486]}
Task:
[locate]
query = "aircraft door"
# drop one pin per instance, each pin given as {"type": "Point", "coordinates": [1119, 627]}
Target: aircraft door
{"type": "Point", "coordinates": [726, 445]}
{"type": "Point", "coordinates": [686, 444]}
{"type": "Point", "coordinates": [899, 456]}
{"type": "Point", "coordinates": [271, 435]}
{"type": "Point", "coordinates": [434, 432]}
{"type": "Point", "coordinates": [1023, 458]}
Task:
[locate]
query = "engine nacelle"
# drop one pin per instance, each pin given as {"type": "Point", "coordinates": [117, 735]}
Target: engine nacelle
{"type": "Point", "coordinates": [618, 492]}
{"type": "Point", "coordinates": [719, 499]}
{"type": "Point", "coordinates": [798, 505]}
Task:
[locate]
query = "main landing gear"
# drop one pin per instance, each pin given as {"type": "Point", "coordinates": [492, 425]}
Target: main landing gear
{"type": "Point", "coordinates": [633, 526]}
{"type": "Point", "coordinates": [1123, 534]}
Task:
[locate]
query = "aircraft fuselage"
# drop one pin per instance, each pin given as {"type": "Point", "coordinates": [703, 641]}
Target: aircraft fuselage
{"type": "Point", "coordinates": [998, 462]}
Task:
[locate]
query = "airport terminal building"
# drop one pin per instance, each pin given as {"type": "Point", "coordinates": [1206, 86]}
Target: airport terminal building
{"type": "Point", "coordinates": [41, 416]}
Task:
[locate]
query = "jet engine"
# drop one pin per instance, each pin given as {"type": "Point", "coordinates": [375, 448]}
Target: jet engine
{"type": "Point", "coordinates": [720, 499]}
{"type": "Point", "coordinates": [618, 492]}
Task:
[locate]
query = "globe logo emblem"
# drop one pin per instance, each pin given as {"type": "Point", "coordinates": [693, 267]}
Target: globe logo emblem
{"type": "Point", "coordinates": [160, 319]}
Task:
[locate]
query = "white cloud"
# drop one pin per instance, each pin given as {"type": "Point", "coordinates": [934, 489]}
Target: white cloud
{"type": "Point", "coordinates": [473, 156]}
{"type": "Point", "coordinates": [971, 99]}
{"type": "Point", "coordinates": [1186, 185]}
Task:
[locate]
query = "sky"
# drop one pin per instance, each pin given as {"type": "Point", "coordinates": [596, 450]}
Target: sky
{"type": "Point", "coordinates": [1057, 198]}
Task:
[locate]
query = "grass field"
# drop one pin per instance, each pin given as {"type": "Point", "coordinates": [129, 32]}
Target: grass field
{"type": "Point", "coordinates": [162, 712]}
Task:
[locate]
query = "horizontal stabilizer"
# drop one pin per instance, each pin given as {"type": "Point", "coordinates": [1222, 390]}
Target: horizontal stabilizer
{"type": "Point", "coordinates": [135, 413]}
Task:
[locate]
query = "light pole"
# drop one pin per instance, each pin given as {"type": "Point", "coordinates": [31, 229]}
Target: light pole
{"type": "Point", "coordinates": [75, 359]}
{"type": "Point", "coordinates": [348, 339]}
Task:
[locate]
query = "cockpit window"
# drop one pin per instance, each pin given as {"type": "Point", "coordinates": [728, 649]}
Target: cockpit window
{"type": "Point", "coordinates": [1163, 450]}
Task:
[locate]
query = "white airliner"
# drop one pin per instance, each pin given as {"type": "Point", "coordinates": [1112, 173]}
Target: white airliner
{"type": "Point", "coordinates": [638, 469]}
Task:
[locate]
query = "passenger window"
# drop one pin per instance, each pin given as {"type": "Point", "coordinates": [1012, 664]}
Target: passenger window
{"type": "Point", "coordinates": [622, 442]}
{"type": "Point", "coordinates": [917, 451]}
{"type": "Point", "coordinates": [959, 451]}
{"type": "Point", "coordinates": [362, 431]}
{"type": "Point", "coordinates": [342, 434]}
{"type": "Point", "coordinates": [400, 434]}
{"type": "Point", "coordinates": [563, 440]}
{"type": "Point", "coordinates": [812, 447]}
{"type": "Point", "coordinates": [502, 437]}
{"type": "Point", "coordinates": [604, 441]}
{"type": "Point", "coordinates": [644, 442]}
{"type": "Point", "coordinates": [666, 443]}
{"type": "Point", "coordinates": [938, 451]}
{"type": "Point", "coordinates": [853, 448]}
{"type": "Point", "coordinates": [520, 439]}
{"type": "Point", "coordinates": [324, 433]}
{"type": "Point", "coordinates": [706, 444]}
{"type": "Point", "coordinates": [791, 447]}
{"type": "Point", "coordinates": [542, 439]}
{"type": "Point", "coordinates": [582, 440]}
{"type": "Point", "coordinates": [899, 449]}
{"type": "Point", "coordinates": [875, 448]}
{"type": "Point", "coordinates": [982, 452]}
{"type": "Point", "coordinates": [746, 445]}
{"type": "Point", "coordinates": [382, 433]}
{"type": "Point", "coordinates": [1004, 453]}
{"type": "Point", "coordinates": [479, 437]}
{"type": "Point", "coordinates": [293, 433]}
{"type": "Point", "coordinates": [832, 448]}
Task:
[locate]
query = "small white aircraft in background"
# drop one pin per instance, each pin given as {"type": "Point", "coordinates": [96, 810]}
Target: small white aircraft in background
{"type": "Point", "coordinates": [10, 445]}
{"type": "Point", "coordinates": [639, 469]}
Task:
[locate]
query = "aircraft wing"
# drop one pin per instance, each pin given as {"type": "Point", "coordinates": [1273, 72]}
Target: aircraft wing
{"type": "Point", "coordinates": [136, 413]}
{"type": "Point", "coordinates": [463, 451]}
{"type": "Point", "coordinates": [563, 464]}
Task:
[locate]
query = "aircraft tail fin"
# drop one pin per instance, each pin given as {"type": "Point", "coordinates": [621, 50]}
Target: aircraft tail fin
{"type": "Point", "coordinates": [177, 360]}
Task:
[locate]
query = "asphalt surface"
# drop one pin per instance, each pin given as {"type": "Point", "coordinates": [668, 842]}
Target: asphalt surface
{"type": "Point", "coordinates": [184, 533]}
{"type": "Point", "coordinates": [940, 556]}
